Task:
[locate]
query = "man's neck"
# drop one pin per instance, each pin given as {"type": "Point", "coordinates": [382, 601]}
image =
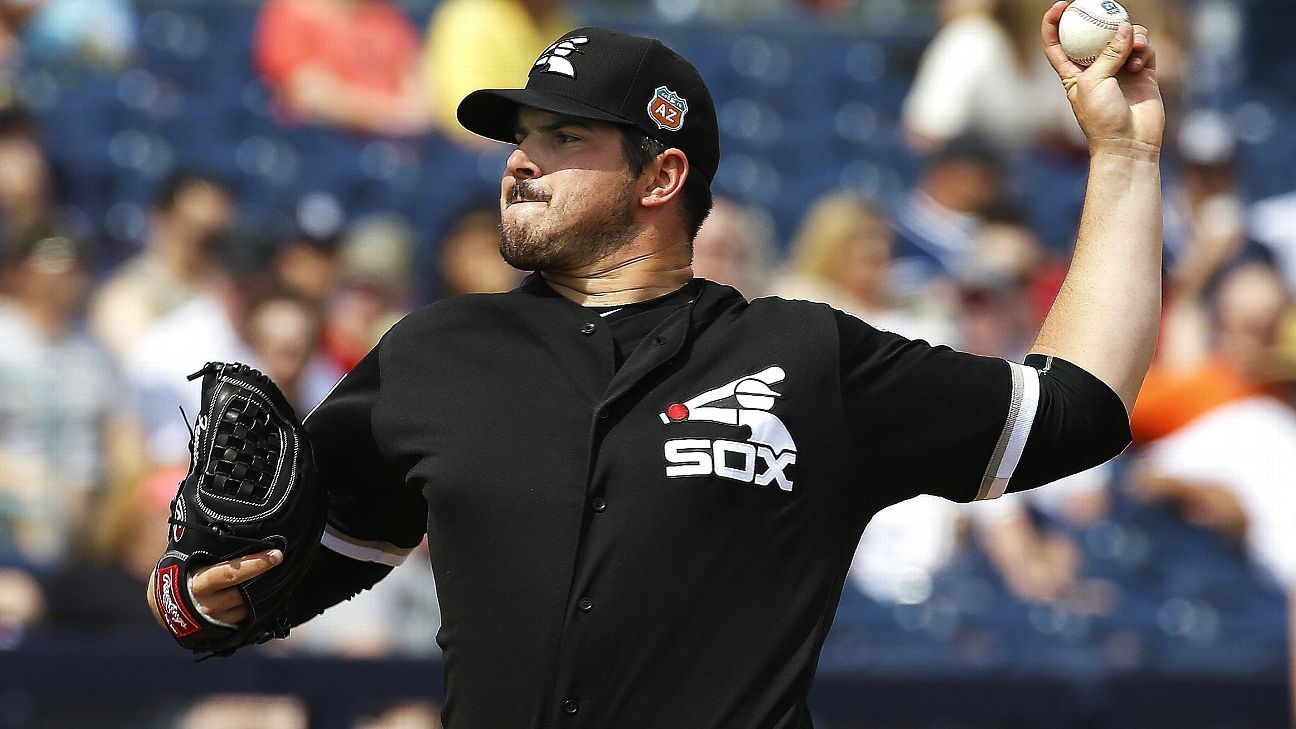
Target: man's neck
{"type": "Point", "coordinates": [625, 278]}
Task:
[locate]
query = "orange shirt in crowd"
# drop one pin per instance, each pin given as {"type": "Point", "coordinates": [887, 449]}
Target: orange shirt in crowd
{"type": "Point", "coordinates": [1172, 397]}
{"type": "Point", "coordinates": [369, 44]}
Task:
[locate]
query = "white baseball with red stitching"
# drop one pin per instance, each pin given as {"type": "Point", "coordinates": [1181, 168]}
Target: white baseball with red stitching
{"type": "Point", "coordinates": [1087, 26]}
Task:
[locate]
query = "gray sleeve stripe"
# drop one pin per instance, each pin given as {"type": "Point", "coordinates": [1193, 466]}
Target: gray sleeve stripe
{"type": "Point", "coordinates": [362, 549]}
{"type": "Point", "coordinates": [1017, 426]}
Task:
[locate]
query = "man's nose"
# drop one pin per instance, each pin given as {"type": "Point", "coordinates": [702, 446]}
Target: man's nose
{"type": "Point", "coordinates": [520, 166]}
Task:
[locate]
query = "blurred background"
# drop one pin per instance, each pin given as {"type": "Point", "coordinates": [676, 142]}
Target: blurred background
{"type": "Point", "coordinates": [278, 182]}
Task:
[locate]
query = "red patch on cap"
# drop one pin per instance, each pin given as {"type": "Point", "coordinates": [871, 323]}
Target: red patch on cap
{"type": "Point", "coordinates": [667, 109]}
{"type": "Point", "coordinates": [677, 412]}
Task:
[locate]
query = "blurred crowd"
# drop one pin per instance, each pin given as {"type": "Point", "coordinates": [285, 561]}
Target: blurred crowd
{"type": "Point", "coordinates": [96, 341]}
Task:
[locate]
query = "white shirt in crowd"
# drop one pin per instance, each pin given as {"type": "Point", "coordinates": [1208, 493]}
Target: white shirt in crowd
{"type": "Point", "coordinates": [1248, 447]}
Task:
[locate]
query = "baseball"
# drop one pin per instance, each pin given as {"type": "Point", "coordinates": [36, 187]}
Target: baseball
{"type": "Point", "coordinates": [1087, 26]}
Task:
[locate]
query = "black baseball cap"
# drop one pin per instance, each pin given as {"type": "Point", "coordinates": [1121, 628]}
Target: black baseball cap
{"type": "Point", "coordinates": [601, 74]}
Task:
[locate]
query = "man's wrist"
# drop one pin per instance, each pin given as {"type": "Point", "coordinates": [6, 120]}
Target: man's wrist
{"type": "Point", "coordinates": [1124, 149]}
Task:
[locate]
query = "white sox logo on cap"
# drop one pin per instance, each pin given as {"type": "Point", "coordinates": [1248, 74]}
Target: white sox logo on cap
{"type": "Point", "coordinates": [554, 58]}
{"type": "Point", "coordinates": [746, 401]}
{"type": "Point", "coordinates": [667, 109]}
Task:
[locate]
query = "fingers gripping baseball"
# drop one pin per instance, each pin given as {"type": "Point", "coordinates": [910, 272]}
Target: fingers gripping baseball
{"type": "Point", "coordinates": [215, 588]}
{"type": "Point", "coordinates": [1113, 57]}
{"type": "Point", "coordinates": [1116, 99]}
{"type": "Point", "coordinates": [1144, 55]}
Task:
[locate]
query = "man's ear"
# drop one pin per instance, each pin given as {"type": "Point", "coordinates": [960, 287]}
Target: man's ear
{"type": "Point", "coordinates": [664, 179]}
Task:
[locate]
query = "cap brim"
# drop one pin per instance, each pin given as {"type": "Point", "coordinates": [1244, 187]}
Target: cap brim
{"type": "Point", "coordinates": [492, 113]}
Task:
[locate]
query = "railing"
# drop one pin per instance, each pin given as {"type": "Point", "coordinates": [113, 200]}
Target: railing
{"type": "Point", "coordinates": [42, 677]}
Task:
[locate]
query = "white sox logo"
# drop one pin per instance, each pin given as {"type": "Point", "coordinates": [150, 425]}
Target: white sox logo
{"type": "Point", "coordinates": [746, 401]}
{"type": "Point", "coordinates": [554, 58]}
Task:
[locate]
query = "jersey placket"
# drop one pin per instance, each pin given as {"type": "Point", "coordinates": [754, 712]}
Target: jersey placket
{"type": "Point", "coordinates": [567, 698]}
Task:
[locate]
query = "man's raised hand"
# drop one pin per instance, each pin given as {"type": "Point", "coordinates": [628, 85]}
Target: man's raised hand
{"type": "Point", "coordinates": [1116, 99]}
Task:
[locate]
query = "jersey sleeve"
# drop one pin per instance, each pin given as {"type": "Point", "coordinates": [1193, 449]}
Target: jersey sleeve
{"type": "Point", "coordinates": [1080, 422]}
{"type": "Point", "coordinates": [373, 515]}
{"type": "Point", "coordinates": [932, 420]}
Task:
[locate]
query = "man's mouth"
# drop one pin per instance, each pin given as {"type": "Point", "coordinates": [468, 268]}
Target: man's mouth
{"type": "Point", "coordinates": [523, 193]}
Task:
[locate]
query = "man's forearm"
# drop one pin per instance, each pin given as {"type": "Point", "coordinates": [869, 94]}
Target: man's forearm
{"type": "Point", "coordinates": [1107, 314]}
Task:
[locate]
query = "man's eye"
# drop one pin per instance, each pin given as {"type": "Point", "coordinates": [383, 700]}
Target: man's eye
{"type": "Point", "coordinates": [566, 138]}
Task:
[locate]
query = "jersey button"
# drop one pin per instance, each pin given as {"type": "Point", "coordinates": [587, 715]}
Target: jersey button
{"type": "Point", "coordinates": [588, 329]}
{"type": "Point", "coordinates": [570, 706]}
{"type": "Point", "coordinates": [585, 604]}
{"type": "Point", "coordinates": [599, 504]}
{"type": "Point", "coordinates": [603, 413]}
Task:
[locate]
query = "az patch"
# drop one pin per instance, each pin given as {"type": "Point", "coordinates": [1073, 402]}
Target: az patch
{"type": "Point", "coordinates": [667, 109]}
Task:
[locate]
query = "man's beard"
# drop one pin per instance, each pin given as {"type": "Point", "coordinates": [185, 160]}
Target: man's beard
{"type": "Point", "coordinates": [553, 243]}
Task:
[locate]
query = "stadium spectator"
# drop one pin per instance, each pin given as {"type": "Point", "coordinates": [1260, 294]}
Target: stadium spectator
{"type": "Point", "coordinates": [65, 414]}
{"type": "Point", "coordinates": [735, 246]}
{"type": "Point", "coordinates": [904, 548]}
{"type": "Point", "coordinates": [842, 256]}
{"type": "Point", "coordinates": [1028, 540]}
{"type": "Point", "coordinates": [284, 334]}
{"type": "Point", "coordinates": [375, 286]}
{"type": "Point", "coordinates": [1211, 356]}
{"type": "Point", "coordinates": [211, 326]}
{"type": "Point", "coordinates": [12, 16]}
{"type": "Point", "coordinates": [1008, 249]}
{"type": "Point", "coordinates": [937, 223]}
{"type": "Point", "coordinates": [485, 44]}
{"type": "Point", "coordinates": [129, 527]}
{"type": "Point", "coordinates": [1272, 222]}
{"type": "Point", "coordinates": [344, 63]}
{"type": "Point", "coordinates": [983, 75]}
{"type": "Point", "coordinates": [28, 210]}
{"type": "Point", "coordinates": [1000, 310]}
{"type": "Point", "coordinates": [307, 265]}
{"type": "Point", "coordinates": [406, 715]}
{"type": "Point", "coordinates": [1204, 225]}
{"type": "Point", "coordinates": [22, 604]}
{"type": "Point", "coordinates": [1229, 469]}
{"type": "Point", "coordinates": [98, 34]}
{"type": "Point", "coordinates": [993, 316]}
{"type": "Point", "coordinates": [469, 257]}
{"type": "Point", "coordinates": [190, 211]}
{"type": "Point", "coordinates": [246, 711]}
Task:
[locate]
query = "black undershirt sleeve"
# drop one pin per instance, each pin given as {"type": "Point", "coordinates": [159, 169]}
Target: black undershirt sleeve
{"type": "Point", "coordinates": [1081, 422]}
{"type": "Point", "coordinates": [331, 579]}
{"type": "Point", "coordinates": [374, 518]}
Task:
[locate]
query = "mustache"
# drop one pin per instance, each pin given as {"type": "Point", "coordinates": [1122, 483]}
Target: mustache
{"type": "Point", "coordinates": [526, 191]}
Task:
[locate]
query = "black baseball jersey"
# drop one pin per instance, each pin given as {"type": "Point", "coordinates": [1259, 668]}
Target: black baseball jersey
{"type": "Point", "coordinates": [661, 543]}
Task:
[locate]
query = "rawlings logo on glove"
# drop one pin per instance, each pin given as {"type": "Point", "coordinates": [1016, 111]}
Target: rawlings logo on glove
{"type": "Point", "coordinates": [178, 620]}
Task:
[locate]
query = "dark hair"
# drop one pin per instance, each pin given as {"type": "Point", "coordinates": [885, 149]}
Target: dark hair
{"type": "Point", "coordinates": [640, 149]}
{"type": "Point", "coordinates": [16, 121]}
{"type": "Point", "coordinates": [178, 182]}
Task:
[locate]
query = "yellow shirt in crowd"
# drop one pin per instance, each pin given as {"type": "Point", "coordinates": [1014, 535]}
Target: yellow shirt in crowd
{"type": "Point", "coordinates": [482, 44]}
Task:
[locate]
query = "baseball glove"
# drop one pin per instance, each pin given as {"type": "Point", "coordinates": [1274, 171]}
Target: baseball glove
{"type": "Point", "coordinates": [252, 485]}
